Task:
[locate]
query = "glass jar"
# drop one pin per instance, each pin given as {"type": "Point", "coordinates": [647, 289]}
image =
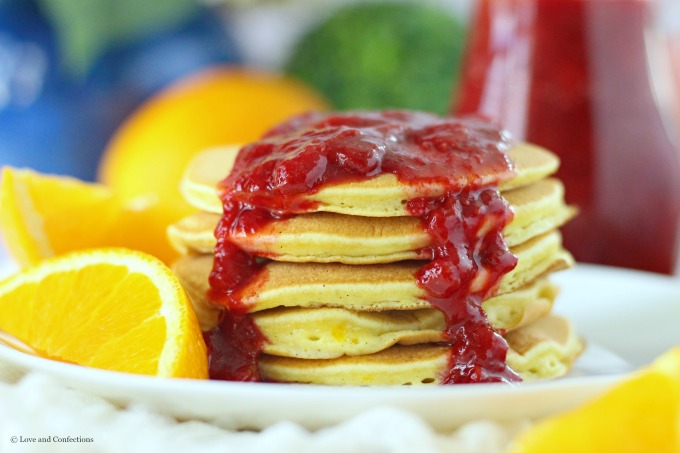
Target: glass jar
{"type": "Point", "coordinates": [589, 80]}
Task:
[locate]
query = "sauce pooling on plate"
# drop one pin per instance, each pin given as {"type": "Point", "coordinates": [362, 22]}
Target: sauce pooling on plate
{"type": "Point", "coordinates": [466, 157]}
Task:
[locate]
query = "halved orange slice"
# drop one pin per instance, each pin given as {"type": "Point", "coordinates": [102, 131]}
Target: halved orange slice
{"type": "Point", "coordinates": [115, 309]}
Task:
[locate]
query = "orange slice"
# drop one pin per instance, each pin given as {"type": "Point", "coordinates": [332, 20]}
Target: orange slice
{"type": "Point", "coordinates": [639, 415]}
{"type": "Point", "coordinates": [114, 309]}
{"type": "Point", "coordinates": [42, 216]}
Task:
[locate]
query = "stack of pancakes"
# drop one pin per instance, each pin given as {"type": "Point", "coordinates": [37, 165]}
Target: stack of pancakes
{"type": "Point", "coordinates": [337, 299]}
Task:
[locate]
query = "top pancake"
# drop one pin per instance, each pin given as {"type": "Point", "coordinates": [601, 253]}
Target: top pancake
{"type": "Point", "coordinates": [380, 196]}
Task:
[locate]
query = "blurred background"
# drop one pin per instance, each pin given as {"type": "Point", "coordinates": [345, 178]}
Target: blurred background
{"type": "Point", "coordinates": [124, 92]}
{"type": "Point", "coordinates": [71, 71]}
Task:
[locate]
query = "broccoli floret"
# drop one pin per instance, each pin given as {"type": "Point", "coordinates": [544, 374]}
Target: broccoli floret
{"type": "Point", "coordinates": [383, 55]}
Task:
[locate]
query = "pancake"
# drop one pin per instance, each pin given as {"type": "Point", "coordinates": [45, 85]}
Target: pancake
{"type": "Point", "coordinates": [522, 306]}
{"type": "Point", "coordinates": [381, 286]}
{"type": "Point", "coordinates": [324, 333]}
{"type": "Point", "coordinates": [328, 237]}
{"type": "Point", "coordinates": [194, 234]}
{"type": "Point", "coordinates": [201, 177]}
{"type": "Point", "coordinates": [398, 365]}
{"type": "Point", "coordinates": [538, 208]}
{"type": "Point", "coordinates": [368, 288]}
{"type": "Point", "coordinates": [545, 348]}
{"type": "Point", "coordinates": [381, 196]}
{"type": "Point", "coordinates": [536, 352]}
{"type": "Point", "coordinates": [193, 273]}
{"type": "Point", "coordinates": [505, 311]}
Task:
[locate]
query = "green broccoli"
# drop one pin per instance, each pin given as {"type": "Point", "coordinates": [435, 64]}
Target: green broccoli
{"type": "Point", "coordinates": [383, 55]}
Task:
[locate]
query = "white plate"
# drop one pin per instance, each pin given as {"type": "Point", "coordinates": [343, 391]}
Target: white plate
{"type": "Point", "coordinates": [628, 318]}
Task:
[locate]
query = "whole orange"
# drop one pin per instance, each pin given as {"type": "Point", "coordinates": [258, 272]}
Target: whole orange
{"type": "Point", "coordinates": [220, 105]}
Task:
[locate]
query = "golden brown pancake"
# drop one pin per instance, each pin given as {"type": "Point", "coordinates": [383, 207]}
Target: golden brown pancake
{"type": "Point", "coordinates": [538, 208]}
{"type": "Point", "coordinates": [382, 286]}
{"type": "Point", "coordinates": [545, 348]}
{"type": "Point", "coordinates": [522, 306]}
{"type": "Point", "coordinates": [381, 196]}
{"type": "Point", "coordinates": [536, 352]}
{"type": "Point", "coordinates": [398, 365]}
{"type": "Point", "coordinates": [369, 288]}
{"type": "Point", "coordinates": [505, 311]}
{"type": "Point", "coordinates": [193, 272]}
{"type": "Point", "coordinates": [194, 234]}
{"type": "Point", "coordinates": [204, 172]}
{"type": "Point", "coordinates": [325, 332]}
{"type": "Point", "coordinates": [324, 237]}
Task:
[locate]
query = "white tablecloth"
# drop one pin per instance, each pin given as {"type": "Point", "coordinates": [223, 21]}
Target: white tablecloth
{"type": "Point", "coordinates": [36, 406]}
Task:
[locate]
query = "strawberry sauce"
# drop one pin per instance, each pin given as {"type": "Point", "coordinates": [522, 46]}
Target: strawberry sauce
{"type": "Point", "coordinates": [465, 156]}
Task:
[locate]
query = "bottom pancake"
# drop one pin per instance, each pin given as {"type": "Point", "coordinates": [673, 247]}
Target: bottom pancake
{"type": "Point", "coordinates": [544, 349]}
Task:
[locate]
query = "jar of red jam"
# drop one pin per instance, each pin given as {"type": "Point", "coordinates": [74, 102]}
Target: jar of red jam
{"type": "Point", "coordinates": [589, 80]}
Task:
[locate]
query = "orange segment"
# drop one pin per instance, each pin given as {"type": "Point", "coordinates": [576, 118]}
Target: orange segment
{"type": "Point", "coordinates": [640, 415]}
{"type": "Point", "coordinates": [114, 309]}
{"type": "Point", "coordinates": [42, 216]}
{"type": "Point", "coordinates": [45, 216]}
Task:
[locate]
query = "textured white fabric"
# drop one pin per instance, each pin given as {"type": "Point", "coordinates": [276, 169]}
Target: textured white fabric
{"type": "Point", "coordinates": [37, 406]}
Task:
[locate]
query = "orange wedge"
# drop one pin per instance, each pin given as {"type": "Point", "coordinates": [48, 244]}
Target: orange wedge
{"type": "Point", "coordinates": [640, 415]}
{"type": "Point", "coordinates": [114, 309]}
{"type": "Point", "coordinates": [42, 216]}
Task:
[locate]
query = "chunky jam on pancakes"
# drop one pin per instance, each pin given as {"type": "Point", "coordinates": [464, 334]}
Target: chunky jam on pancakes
{"type": "Point", "coordinates": [272, 178]}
